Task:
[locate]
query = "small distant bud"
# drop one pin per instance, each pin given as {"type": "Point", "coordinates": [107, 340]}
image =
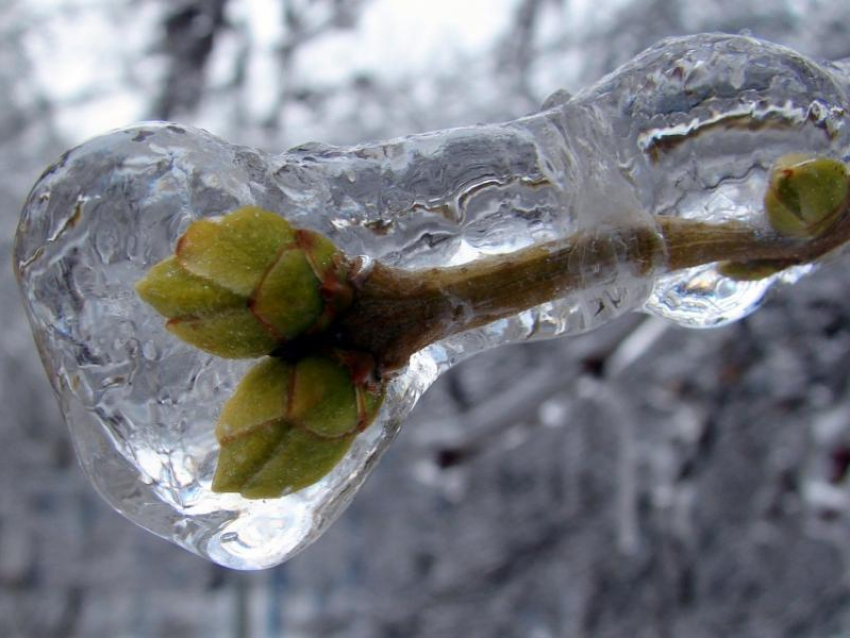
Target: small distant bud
{"type": "Point", "coordinates": [288, 424]}
{"type": "Point", "coordinates": [805, 195]}
{"type": "Point", "coordinates": [241, 285]}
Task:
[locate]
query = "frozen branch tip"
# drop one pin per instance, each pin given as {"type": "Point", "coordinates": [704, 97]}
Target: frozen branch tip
{"type": "Point", "coordinates": [329, 334]}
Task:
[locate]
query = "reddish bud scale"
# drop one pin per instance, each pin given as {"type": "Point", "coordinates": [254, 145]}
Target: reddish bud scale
{"type": "Point", "coordinates": [334, 290]}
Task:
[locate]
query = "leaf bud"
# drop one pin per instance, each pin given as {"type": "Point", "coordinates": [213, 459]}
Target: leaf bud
{"type": "Point", "coordinates": [805, 194]}
{"type": "Point", "coordinates": [242, 284]}
{"type": "Point", "coordinates": [289, 423]}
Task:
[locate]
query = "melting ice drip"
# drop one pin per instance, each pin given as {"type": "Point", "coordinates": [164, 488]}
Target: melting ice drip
{"type": "Point", "coordinates": [689, 128]}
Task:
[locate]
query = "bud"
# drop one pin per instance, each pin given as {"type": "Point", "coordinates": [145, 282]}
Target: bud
{"type": "Point", "coordinates": [241, 285]}
{"type": "Point", "coordinates": [288, 424]}
{"type": "Point", "coordinates": [805, 195]}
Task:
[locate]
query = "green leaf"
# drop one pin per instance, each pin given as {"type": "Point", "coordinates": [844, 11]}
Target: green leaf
{"type": "Point", "coordinates": [288, 297]}
{"type": "Point", "coordinates": [242, 457]}
{"type": "Point", "coordinates": [175, 292]}
{"type": "Point", "coordinates": [323, 397]}
{"type": "Point", "coordinates": [231, 334]}
{"type": "Point", "coordinates": [332, 273]}
{"type": "Point", "coordinates": [299, 460]}
{"type": "Point", "coordinates": [805, 195]}
{"type": "Point", "coordinates": [320, 250]}
{"type": "Point", "coordinates": [259, 398]}
{"type": "Point", "coordinates": [235, 250]}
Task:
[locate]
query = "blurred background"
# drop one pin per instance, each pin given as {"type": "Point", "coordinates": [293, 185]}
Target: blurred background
{"type": "Point", "coordinates": [641, 481]}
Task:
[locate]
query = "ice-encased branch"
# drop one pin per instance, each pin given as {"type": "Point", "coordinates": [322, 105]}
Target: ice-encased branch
{"type": "Point", "coordinates": [687, 130]}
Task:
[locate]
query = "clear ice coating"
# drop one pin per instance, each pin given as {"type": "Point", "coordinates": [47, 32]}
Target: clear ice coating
{"type": "Point", "coordinates": [689, 128]}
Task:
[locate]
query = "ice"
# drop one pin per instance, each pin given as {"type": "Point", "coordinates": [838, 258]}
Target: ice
{"type": "Point", "coordinates": [689, 128]}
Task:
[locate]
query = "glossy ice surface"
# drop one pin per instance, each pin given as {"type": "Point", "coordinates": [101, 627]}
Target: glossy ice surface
{"type": "Point", "coordinates": [689, 128]}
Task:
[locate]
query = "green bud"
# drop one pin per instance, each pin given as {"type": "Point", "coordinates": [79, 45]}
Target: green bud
{"type": "Point", "coordinates": [235, 250]}
{"type": "Point", "coordinates": [288, 424]}
{"type": "Point", "coordinates": [240, 285]}
{"type": "Point", "coordinates": [805, 194]}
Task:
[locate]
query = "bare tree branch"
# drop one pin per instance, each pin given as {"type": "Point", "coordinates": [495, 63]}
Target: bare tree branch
{"type": "Point", "coordinates": [190, 34]}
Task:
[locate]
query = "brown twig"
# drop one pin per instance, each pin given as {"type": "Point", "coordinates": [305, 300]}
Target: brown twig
{"type": "Point", "coordinates": [398, 312]}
